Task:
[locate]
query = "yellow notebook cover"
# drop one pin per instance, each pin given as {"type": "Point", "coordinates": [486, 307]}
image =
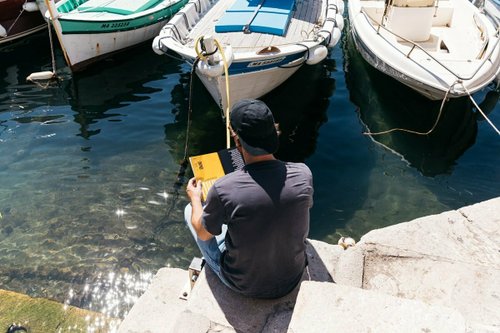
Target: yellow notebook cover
{"type": "Point", "coordinates": [210, 167]}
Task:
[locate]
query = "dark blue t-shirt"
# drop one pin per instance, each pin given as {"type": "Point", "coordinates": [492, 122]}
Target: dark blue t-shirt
{"type": "Point", "coordinates": [266, 208]}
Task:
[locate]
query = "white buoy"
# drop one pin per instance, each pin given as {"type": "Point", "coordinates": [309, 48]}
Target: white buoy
{"type": "Point", "coordinates": [346, 242]}
{"type": "Point", "coordinates": [31, 7]}
{"type": "Point", "coordinates": [39, 76]}
{"type": "Point", "coordinates": [45, 75]}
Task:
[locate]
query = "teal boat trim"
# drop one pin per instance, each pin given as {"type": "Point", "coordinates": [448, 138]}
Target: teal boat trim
{"type": "Point", "coordinates": [72, 26]}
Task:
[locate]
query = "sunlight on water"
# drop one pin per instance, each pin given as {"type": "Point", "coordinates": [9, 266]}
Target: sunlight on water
{"type": "Point", "coordinates": [113, 294]}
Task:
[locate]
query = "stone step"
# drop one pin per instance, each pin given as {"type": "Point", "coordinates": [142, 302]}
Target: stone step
{"type": "Point", "coordinates": [213, 306]}
{"type": "Point", "coordinates": [450, 259]}
{"type": "Point", "coordinates": [329, 307]}
{"type": "Point", "coordinates": [157, 309]}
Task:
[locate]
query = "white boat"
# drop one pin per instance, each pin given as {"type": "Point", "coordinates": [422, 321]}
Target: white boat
{"type": "Point", "coordinates": [437, 47]}
{"type": "Point", "coordinates": [89, 30]}
{"type": "Point", "coordinates": [246, 48]}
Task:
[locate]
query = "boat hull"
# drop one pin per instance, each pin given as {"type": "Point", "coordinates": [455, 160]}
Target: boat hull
{"type": "Point", "coordinates": [378, 63]}
{"type": "Point", "coordinates": [246, 82]}
{"type": "Point", "coordinates": [87, 41]}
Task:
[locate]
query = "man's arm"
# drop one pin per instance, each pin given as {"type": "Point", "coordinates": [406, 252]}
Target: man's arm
{"type": "Point", "coordinates": [194, 193]}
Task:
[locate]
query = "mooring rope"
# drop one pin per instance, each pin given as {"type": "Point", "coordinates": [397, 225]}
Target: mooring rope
{"type": "Point", "coordinates": [228, 100]}
{"type": "Point", "coordinates": [51, 48]}
{"type": "Point", "coordinates": [416, 132]}
{"type": "Point", "coordinates": [17, 18]}
{"type": "Point", "coordinates": [53, 59]}
{"type": "Point", "coordinates": [480, 111]}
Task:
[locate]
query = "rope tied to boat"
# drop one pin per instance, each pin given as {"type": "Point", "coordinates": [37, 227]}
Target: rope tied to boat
{"type": "Point", "coordinates": [480, 111]}
{"type": "Point", "coordinates": [203, 56]}
{"type": "Point", "coordinates": [17, 18]}
{"type": "Point", "coordinates": [416, 132]}
{"type": "Point", "coordinates": [47, 77]}
{"type": "Point", "coordinates": [458, 81]}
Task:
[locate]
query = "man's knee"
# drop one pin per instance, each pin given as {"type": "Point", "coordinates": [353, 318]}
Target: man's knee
{"type": "Point", "coordinates": [188, 210]}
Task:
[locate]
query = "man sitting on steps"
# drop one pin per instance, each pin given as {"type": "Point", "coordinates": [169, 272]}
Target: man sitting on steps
{"type": "Point", "coordinates": [253, 226]}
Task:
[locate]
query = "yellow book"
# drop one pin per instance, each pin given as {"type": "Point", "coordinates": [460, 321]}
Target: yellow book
{"type": "Point", "coordinates": [210, 167]}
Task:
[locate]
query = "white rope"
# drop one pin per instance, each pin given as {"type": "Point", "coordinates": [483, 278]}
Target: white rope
{"type": "Point", "coordinates": [17, 18]}
{"type": "Point", "coordinates": [480, 111]}
{"type": "Point", "coordinates": [51, 48]}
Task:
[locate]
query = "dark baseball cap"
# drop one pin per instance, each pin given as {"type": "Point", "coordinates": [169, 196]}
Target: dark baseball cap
{"type": "Point", "coordinates": [253, 122]}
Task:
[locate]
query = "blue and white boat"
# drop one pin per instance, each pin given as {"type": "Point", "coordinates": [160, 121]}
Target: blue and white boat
{"type": "Point", "coordinates": [246, 48]}
{"type": "Point", "coordinates": [89, 30]}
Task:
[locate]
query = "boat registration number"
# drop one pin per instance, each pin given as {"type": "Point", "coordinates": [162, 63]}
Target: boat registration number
{"type": "Point", "coordinates": [115, 25]}
{"type": "Point", "coordinates": [265, 62]}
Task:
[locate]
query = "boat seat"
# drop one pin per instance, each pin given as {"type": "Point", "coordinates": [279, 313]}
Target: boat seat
{"type": "Point", "coordinates": [413, 3]}
{"type": "Point", "coordinates": [444, 14]}
{"type": "Point", "coordinates": [412, 23]}
{"type": "Point", "coordinates": [120, 7]}
{"type": "Point", "coordinates": [272, 17]}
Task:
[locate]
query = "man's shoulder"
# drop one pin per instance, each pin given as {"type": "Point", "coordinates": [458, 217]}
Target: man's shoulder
{"type": "Point", "coordinates": [299, 167]}
{"type": "Point", "coordinates": [229, 178]}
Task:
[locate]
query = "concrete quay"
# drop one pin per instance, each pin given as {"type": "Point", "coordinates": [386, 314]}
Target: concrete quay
{"type": "Point", "coordinates": [439, 273]}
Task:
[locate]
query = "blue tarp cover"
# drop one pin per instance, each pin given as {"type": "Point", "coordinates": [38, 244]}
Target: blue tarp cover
{"type": "Point", "coordinates": [272, 17]}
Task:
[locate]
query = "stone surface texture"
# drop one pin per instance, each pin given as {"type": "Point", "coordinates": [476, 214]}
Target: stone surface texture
{"type": "Point", "coordinates": [439, 273]}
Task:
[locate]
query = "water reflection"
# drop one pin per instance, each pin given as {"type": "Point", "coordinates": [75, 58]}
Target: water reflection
{"type": "Point", "coordinates": [300, 106]}
{"type": "Point", "coordinates": [385, 104]}
{"type": "Point", "coordinates": [118, 82]}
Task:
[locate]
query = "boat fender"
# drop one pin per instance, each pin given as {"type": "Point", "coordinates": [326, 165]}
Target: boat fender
{"type": "Point", "coordinates": [339, 19]}
{"type": "Point", "coordinates": [158, 47]}
{"type": "Point", "coordinates": [31, 7]}
{"type": "Point", "coordinates": [340, 7]}
{"type": "Point", "coordinates": [217, 69]}
{"type": "Point", "coordinates": [337, 7]}
{"type": "Point", "coordinates": [3, 32]}
{"type": "Point", "coordinates": [334, 37]}
{"type": "Point", "coordinates": [316, 54]}
{"type": "Point", "coordinates": [39, 76]}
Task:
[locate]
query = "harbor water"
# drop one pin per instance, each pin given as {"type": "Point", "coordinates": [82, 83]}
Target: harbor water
{"type": "Point", "coordinates": [91, 198]}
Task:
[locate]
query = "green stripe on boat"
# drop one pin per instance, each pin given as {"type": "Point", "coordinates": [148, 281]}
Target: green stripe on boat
{"type": "Point", "coordinates": [70, 26]}
{"type": "Point", "coordinates": [120, 7]}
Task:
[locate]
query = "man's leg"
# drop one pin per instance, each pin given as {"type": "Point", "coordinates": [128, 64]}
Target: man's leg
{"type": "Point", "coordinates": [211, 249]}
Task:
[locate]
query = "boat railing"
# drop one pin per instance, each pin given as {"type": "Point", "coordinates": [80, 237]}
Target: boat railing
{"type": "Point", "coordinates": [416, 45]}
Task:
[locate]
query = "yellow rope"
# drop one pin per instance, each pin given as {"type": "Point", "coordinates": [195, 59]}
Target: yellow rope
{"type": "Point", "coordinates": [228, 107]}
{"type": "Point", "coordinates": [198, 52]}
{"type": "Point", "coordinates": [412, 131]}
{"type": "Point", "coordinates": [226, 73]}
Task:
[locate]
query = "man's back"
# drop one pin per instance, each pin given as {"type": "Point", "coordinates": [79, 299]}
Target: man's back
{"type": "Point", "coordinates": [266, 207]}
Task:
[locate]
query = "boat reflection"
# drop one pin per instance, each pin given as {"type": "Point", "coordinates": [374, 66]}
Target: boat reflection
{"type": "Point", "coordinates": [98, 93]}
{"type": "Point", "coordinates": [299, 108]}
{"type": "Point", "coordinates": [384, 104]}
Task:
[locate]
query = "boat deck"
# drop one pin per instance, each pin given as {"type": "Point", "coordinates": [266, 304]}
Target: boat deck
{"type": "Point", "coordinates": [453, 34]}
{"type": "Point", "coordinates": [304, 20]}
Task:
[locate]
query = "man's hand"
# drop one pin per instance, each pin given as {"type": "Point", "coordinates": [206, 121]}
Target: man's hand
{"type": "Point", "coordinates": [193, 189]}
